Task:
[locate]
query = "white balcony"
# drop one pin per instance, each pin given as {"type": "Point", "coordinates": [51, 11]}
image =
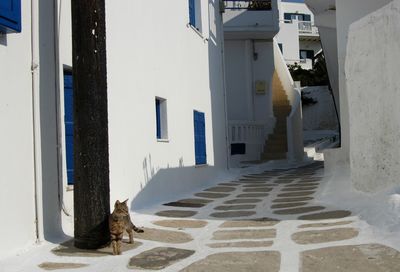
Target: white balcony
{"type": "Point", "coordinates": [246, 20]}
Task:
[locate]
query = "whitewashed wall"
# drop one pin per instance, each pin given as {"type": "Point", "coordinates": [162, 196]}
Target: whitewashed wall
{"type": "Point", "coordinates": [156, 54]}
{"type": "Point", "coordinates": [347, 12]}
{"type": "Point", "coordinates": [242, 70]}
{"type": "Point", "coordinates": [16, 139]}
{"type": "Point", "coordinates": [374, 99]}
{"type": "Point", "coordinates": [288, 36]}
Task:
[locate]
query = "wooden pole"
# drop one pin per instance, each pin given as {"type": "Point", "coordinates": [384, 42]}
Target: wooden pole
{"type": "Point", "coordinates": [91, 173]}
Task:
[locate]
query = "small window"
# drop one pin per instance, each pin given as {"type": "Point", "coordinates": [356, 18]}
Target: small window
{"type": "Point", "coordinates": [195, 14]}
{"type": "Point", "coordinates": [161, 119]}
{"type": "Point", "coordinates": [306, 54]}
{"type": "Point", "coordinates": [288, 17]}
{"type": "Point", "coordinates": [10, 16]}
{"type": "Point", "coordinates": [280, 47]}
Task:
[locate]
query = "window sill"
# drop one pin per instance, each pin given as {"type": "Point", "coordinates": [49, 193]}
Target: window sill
{"type": "Point", "coordinates": [70, 188]}
{"type": "Point", "coordinates": [201, 165]}
{"type": "Point", "coordinates": [163, 140]}
{"type": "Point", "coordinates": [197, 32]}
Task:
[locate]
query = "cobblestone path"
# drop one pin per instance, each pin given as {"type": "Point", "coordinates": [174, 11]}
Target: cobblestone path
{"type": "Point", "coordinates": [266, 221]}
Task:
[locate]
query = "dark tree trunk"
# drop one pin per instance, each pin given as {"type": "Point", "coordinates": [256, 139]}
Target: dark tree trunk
{"type": "Point", "coordinates": [91, 175]}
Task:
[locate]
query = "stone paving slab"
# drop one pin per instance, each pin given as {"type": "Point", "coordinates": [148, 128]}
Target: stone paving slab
{"type": "Point", "coordinates": [184, 204]}
{"type": "Point", "coordinates": [245, 244]}
{"type": "Point", "coordinates": [243, 201]}
{"type": "Point", "coordinates": [234, 207]}
{"type": "Point", "coordinates": [178, 224]}
{"type": "Point", "coordinates": [290, 189]}
{"type": "Point", "coordinates": [164, 236]}
{"type": "Point", "coordinates": [258, 190]}
{"type": "Point", "coordinates": [324, 236]}
{"type": "Point", "coordinates": [326, 215]}
{"type": "Point", "coordinates": [258, 222]}
{"type": "Point", "coordinates": [250, 195]}
{"type": "Point", "coordinates": [307, 193]}
{"type": "Point", "coordinates": [244, 234]}
{"type": "Point", "coordinates": [232, 214]}
{"type": "Point", "coordinates": [262, 261]}
{"type": "Point", "coordinates": [299, 210]}
{"type": "Point", "coordinates": [67, 249]}
{"type": "Point", "coordinates": [158, 258]}
{"type": "Point", "coordinates": [292, 199]}
{"type": "Point", "coordinates": [354, 258]}
{"type": "Point", "coordinates": [57, 266]}
{"type": "Point", "coordinates": [259, 185]}
{"type": "Point", "coordinates": [220, 189]}
{"type": "Point", "coordinates": [301, 185]}
{"type": "Point", "coordinates": [176, 213]}
{"type": "Point", "coordinates": [288, 205]}
{"type": "Point", "coordinates": [228, 184]}
{"type": "Point", "coordinates": [324, 225]}
{"type": "Point", "coordinates": [283, 181]}
{"type": "Point", "coordinates": [211, 195]}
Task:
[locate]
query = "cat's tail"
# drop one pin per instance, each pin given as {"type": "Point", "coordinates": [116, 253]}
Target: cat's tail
{"type": "Point", "coordinates": [136, 229]}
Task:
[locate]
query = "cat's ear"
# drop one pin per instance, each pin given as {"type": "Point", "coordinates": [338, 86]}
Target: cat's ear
{"type": "Point", "coordinates": [126, 200]}
{"type": "Point", "coordinates": [117, 203]}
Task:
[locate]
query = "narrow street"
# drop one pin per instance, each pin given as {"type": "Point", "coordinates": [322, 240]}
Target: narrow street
{"type": "Point", "coordinates": [267, 221]}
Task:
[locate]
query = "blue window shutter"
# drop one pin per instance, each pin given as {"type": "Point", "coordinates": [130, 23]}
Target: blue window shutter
{"type": "Point", "coordinates": [192, 13]}
{"type": "Point", "coordinates": [199, 138]}
{"type": "Point", "coordinates": [10, 16]}
{"type": "Point", "coordinates": [69, 126]}
{"type": "Point", "coordinates": [158, 119]}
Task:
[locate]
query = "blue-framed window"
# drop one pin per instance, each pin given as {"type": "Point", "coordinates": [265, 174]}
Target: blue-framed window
{"type": "Point", "coordinates": [199, 138]}
{"type": "Point", "coordinates": [195, 14]}
{"type": "Point", "coordinates": [69, 125]}
{"type": "Point", "coordinates": [10, 16]}
{"type": "Point", "coordinates": [299, 16]}
{"type": "Point", "coordinates": [161, 119]}
{"type": "Point", "coordinates": [192, 13]}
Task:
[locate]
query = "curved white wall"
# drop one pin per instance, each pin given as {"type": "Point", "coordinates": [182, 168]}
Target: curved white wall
{"type": "Point", "coordinates": [374, 99]}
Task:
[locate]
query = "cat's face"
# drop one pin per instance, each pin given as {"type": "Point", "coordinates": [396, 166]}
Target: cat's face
{"type": "Point", "coordinates": [121, 207]}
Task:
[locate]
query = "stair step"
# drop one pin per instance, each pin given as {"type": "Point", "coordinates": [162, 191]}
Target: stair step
{"type": "Point", "coordinates": [273, 156]}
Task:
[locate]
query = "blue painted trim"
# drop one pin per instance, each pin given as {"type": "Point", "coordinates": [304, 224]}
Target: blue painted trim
{"type": "Point", "coordinates": [199, 138]}
{"type": "Point", "coordinates": [10, 16]}
{"type": "Point", "coordinates": [69, 126]}
{"type": "Point", "coordinates": [158, 118]}
{"type": "Point", "coordinates": [192, 13]}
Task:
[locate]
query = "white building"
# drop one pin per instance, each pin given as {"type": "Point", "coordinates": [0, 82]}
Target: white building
{"type": "Point", "coordinates": [264, 109]}
{"type": "Point", "coordinates": [167, 106]}
{"type": "Point", "coordinates": [360, 40]}
{"type": "Point", "coordinates": [165, 77]}
{"type": "Point", "coordinates": [298, 36]}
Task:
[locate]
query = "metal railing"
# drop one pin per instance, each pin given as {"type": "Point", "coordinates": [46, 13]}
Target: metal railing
{"type": "Point", "coordinates": [248, 4]}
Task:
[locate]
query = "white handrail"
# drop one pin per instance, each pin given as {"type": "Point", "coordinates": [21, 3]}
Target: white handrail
{"type": "Point", "coordinates": [294, 124]}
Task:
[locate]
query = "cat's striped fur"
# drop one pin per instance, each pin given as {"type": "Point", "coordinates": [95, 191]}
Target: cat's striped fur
{"type": "Point", "coordinates": [120, 221]}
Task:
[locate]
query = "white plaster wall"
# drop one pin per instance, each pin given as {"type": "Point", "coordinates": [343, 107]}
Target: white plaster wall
{"type": "Point", "coordinates": [374, 99]}
{"type": "Point", "coordinates": [288, 36]}
{"type": "Point", "coordinates": [238, 71]}
{"type": "Point", "coordinates": [16, 139]}
{"type": "Point", "coordinates": [322, 115]}
{"type": "Point", "coordinates": [158, 54]}
{"type": "Point", "coordinates": [347, 12]}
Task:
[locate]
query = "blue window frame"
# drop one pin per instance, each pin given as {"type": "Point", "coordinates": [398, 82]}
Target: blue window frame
{"type": "Point", "coordinates": [192, 13]}
{"type": "Point", "coordinates": [158, 118]}
{"type": "Point", "coordinates": [69, 125]}
{"type": "Point", "coordinates": [199, 138]}
{"type": "Point", "coordinates": [10, 16]}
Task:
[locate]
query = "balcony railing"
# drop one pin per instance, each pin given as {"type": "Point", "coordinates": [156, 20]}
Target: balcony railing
{"type": "Point", "coordinates": [248, 5]}
{"type": "Point", "coordinates": [307, 27]}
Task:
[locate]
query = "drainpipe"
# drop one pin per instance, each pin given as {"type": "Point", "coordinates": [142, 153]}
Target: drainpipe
{"type": "Point", "coordinates": [36, 121]}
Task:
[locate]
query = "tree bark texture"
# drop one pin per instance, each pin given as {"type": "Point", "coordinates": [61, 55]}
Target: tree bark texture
{"type": "Point", "coordinates": [91, 173]}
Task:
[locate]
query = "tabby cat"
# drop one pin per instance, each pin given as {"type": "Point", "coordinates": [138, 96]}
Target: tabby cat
{"type": "Point", "coordinates": [119, 221]}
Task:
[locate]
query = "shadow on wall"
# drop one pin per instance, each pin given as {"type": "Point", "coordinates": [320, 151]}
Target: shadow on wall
{"type": "Point", "coordinates": [217, 88]}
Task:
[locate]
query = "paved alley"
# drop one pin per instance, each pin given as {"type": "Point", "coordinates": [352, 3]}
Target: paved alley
{"type": "Point", "coordinates": [266, 221]}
